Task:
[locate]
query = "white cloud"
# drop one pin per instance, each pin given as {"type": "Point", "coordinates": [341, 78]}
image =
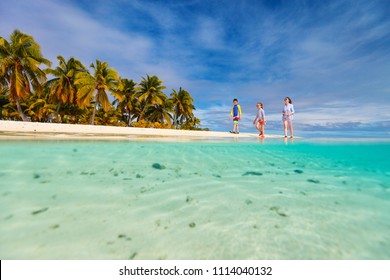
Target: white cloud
{"type": "Point", "coordinates": [209, 34]}
{"type": "Point", "coordinates": [68, 31]}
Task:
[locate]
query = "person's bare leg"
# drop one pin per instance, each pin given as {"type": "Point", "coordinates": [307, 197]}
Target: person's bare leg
{"type": "Point", "coordinates": [285, 128]}
{"type": "Point", "coordinates": [258, 127]}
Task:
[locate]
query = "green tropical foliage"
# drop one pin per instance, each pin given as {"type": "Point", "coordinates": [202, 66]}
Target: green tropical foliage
{"type": "Point", "coordinates": [161, 112]}
{"type": "Point", "coordinates": [20, 60]}
{"type": "Point", "coordinates": [75, 95]}
{"type": "Point", "coordinates": [94, 87]}
{"type": "Point", "coordinates": [150, 94]}
{"type": "Point", "coordinates": [182, 106]}
{"type": "Point", "coordinates": [62, 87]}
{"type": "Point", "coordinates": [126, 100]}
{"type": "Point", "coordinates": [39, 110]}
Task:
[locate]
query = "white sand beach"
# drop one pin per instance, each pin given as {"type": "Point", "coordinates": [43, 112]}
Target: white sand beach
{"type": "Point", "coordinates": [54, 130]}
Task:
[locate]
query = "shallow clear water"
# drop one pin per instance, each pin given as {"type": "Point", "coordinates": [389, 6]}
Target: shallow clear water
{"type": "Point", "coordinates": [194, 200]}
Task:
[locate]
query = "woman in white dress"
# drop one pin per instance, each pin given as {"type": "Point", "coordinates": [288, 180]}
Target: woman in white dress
{"type": "Point", "coordinates": [288, 116]}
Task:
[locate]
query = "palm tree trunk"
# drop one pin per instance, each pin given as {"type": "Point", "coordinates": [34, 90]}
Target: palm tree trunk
{"type": "Point", "coordinates": [142, 115]}
{"type": "Point", "coordinates": [129, 119]}
{"type": "Point", "coordinates": [58, 111]}
{"type": "Point", "coordinates": [177, 115]}
{"type": "Point", "coordinates": [93, 115]}
{"type": "Point", "coordinates": [22, 115]}
{"type": "Point", "coordinates": [174, 121]}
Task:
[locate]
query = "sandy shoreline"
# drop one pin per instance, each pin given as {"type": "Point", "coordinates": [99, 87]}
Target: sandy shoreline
{"type": "Point", "coordinates": [54, 130]}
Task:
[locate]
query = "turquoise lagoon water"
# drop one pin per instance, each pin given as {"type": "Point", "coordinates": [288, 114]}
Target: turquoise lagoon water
{"type": "Point", "coordinates": [194, 200]}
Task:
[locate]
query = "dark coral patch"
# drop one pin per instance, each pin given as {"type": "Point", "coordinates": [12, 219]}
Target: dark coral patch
{"type": "Point", "coordinates": [277, 211]}
{"type": "Point", "coordinates": [158, 166]}
{"type": "Point", "coordinates": [133, 256]}
{"type": "Point", "coordinates": [313, 181]}
{"type": "Point", "coordinates": [248, 201]}
{"type": "Point", "coordinates": [124, 236]}
{"type": "Point", "coordinates": [39, 211]}
{"type": "Point", "coordinates": [252, 173]}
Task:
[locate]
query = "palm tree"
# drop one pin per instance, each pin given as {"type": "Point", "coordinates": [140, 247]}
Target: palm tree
{"type": "Point", "coordinates": [62, 87]}
{"type": "Point", "coordinates": [111, 117]}
{"type": "Point", "coordinates": [182, 106]}
{"type": "Point", "coordinates": [95, 87]}
{"type": "Point", "coordinates": [39, 109]}
{"type": "Point", "coordinates": [20, 59]}
{"type": "Point", "coordinates": [161, 112]}
{"type": "Point", "coordinates": [150, 94]}
{"type": "Point", "coordinates": [126, 99]}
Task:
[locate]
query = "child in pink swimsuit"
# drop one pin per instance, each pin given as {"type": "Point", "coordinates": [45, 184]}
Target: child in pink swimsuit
{"type": "Point", "coordinates": [260, 119]}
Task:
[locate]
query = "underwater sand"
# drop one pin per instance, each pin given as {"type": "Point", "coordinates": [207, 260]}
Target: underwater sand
{"type": "Point", "coordinates": [194, 200]}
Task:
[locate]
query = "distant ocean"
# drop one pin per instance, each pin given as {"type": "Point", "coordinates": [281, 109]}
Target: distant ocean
{"type": "Point", "coordinates": [232, 199]}
{"type": "Point", "coordinates": [358, 135]}
{"type": "Point", "coordinates": [331, 134]}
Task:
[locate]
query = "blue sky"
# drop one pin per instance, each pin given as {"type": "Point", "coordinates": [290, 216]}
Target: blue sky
{"type": "Point", "coordinates": [331, 57]}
